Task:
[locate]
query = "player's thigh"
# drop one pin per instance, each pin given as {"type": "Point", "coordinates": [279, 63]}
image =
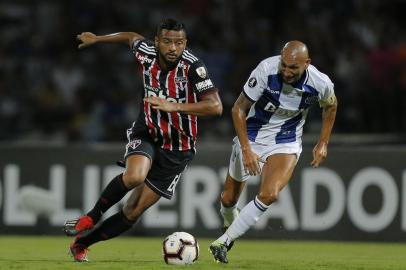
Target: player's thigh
{"type": "Point", "coordinates": [137, 166]}
{"type": "Point", "coordinates": [139, 156]}
{"type": "Point", "coordinates": [277, 172]}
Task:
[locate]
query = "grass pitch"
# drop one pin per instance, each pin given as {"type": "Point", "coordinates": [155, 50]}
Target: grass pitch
{"type": "Point", "coordinates": [42, 253]}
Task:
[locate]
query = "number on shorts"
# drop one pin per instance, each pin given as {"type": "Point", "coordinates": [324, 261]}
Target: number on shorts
{"type": "Point", "coordinates": [175, 181]}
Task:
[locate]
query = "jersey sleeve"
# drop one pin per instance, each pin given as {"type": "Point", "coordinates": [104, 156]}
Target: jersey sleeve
{"type": "Point", "coordinates": [256, 84]}
{"type": "Point", "coordinates": [326, 95]}
{"type": "Point", "coordinates": [136, 45]}
{"type": "Point", "coordinates": [200, 79]}
{"type": "Point", "coordinates": [142, 49]}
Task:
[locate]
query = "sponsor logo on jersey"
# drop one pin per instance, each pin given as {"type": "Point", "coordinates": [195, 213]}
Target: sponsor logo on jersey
{"type": "Point", "coordinates": [274, 91]}
{"type": "Point", "coordinates": [150, 88]}
{"type": "Point", "coordinates": [143, 59]}
{"type": "Point", "coordinates": [311, 100]}
{"type": "Point", "coordinates": [201, 71]}
{"type": "Point", "coordinates": [180, 79]}
{"type": "Point", "coordinates": [287, 113]}
{"type": "Point", "coordinates": [161, 94]}
{"type": "Point", "coordinates": [286, 132]}
{"type": "Point", "coordinates": [204, 85]}
{"type": "Point", "coordinates": [252, 82]}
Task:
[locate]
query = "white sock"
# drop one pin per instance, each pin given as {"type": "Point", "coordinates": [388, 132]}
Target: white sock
{"type": "Point", "coordinates": [228, 214]}
{"type": "Point", "coordinates": [247, 218]}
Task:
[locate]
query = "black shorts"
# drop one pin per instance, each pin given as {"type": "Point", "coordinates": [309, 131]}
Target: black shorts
{"type": "Point", "coordinates": [167, 165]}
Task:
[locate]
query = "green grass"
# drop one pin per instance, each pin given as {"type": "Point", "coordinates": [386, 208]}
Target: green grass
{"type": "Point", "coordinates": [41, 253]}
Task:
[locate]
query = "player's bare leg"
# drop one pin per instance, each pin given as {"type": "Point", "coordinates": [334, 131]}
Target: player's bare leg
{"type": "Point", "coordinates": [139, 202]}
{"type": "Point", "coordinates": [137, 168]}
{"type": "Point", "coordinates": [276, 174]}
{"type": "Point", "coordinates": [133, 199]}
{"type": "Point", "coordinates": [232, 191]}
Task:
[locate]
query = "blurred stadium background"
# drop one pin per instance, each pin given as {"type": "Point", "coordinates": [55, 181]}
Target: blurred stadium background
{"type": "Point", "coordinates": [64, 112]}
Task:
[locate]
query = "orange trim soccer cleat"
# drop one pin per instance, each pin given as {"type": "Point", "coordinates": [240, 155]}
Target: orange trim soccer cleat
{"type": "Point", "coordinates": [75, 226]}
{"type": "Point", "coordinates": [79, 252]}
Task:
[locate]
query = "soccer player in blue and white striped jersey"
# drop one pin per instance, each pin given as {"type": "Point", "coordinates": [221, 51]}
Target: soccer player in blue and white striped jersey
{"type": "Point", "coordinates": [277, 97]}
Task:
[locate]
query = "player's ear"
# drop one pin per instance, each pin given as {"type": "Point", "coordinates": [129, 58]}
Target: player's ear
{"type": "Point", "coordinates": [308, 61]}
{"type": "Point", "coordinates": [156, 41]}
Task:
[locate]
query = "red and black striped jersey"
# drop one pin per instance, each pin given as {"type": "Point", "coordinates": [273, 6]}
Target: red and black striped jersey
{"type": "Point", "coordinates": [187, 82]}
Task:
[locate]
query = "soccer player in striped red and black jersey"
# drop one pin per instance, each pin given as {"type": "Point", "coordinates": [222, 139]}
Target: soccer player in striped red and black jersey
{"type": "Point", "coordinates": [187, 81]}
{"type": "Point", "coordinates": [161, 142]}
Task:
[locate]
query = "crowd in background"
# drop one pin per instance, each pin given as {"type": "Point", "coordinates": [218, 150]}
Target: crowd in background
{"type": "Point", "coordinates": [51, 91]}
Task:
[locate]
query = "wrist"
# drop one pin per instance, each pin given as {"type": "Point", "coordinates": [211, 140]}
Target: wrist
{"type": "Point", "coordinates": [245, 148]}
{"type": "Point", "coordinates": [177, 107]}
{"type": "Point", "coordinates": [97, 39]}
{"type": "Point", "coordinates": [322, 142]}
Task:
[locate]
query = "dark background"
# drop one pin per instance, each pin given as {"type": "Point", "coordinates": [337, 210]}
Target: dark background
{"type": "Point", "coordinates": [50, 91]}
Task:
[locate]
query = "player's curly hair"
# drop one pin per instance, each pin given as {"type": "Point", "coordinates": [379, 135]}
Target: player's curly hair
{"type": "Point", "coordinates": [170, 24]}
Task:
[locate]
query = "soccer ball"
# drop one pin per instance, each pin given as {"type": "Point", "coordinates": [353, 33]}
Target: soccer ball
{"type": "Point", "coordinates": [180, 248]}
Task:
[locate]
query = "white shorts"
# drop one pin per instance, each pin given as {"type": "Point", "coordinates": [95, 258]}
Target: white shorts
{"type": "Point", "coordinates": [236, 167]}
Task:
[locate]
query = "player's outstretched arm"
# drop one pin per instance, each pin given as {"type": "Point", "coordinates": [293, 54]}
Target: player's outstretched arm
{"type": "Point", "coordinates": [329, 116]}
{"type": "Point", "coordinates": [209, 105]}
{"type": "Point", "coordinates": [87, 38]}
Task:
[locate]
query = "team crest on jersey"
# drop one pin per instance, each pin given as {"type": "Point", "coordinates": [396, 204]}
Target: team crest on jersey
{"type": "Point", "coordinates": [201, 71]}
{"type": "Point", "coordinates": [181, 82]}
{"type": "Point", "coordinates": [252, 82]}
{"type": "Point", "coordinates": [134, 143]}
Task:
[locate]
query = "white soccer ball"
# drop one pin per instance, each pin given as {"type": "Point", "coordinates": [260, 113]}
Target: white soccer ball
{"type": "Point", "coordinates": [180, 248]}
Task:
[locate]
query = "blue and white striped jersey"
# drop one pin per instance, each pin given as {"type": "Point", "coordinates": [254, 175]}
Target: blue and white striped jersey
{"type": "Point", "coordinates": [279, 110]}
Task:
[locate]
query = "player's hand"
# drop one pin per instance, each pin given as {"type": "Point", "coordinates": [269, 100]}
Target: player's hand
{"type": "Point", "coordinates": [251, 162]}
{"type": "Point", "coordinates": [319, 154]}
{"type": "Point", "coordinates": [87, 39]}
{"type": "Point", "coordinates": [161, 104]}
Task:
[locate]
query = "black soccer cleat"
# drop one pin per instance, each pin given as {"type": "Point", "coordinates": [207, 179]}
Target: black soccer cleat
{"type": "Point", "coordinates": [219, 251]}
{"type": "Point", "coordinates": [223, 230]}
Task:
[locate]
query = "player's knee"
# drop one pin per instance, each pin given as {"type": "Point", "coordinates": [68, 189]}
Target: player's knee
{"type": "Point", "coordinates": [134, 177]}
{"type": "Point", "coordinates": [228, 200]}
{"type": "Point", "coordinates": [268, 197]}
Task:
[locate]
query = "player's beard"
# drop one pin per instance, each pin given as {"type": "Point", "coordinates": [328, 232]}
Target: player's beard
{"type": "Point", "coordinates": [292, 80]}
{"type": "Point", "coordinates": [169, 64]}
